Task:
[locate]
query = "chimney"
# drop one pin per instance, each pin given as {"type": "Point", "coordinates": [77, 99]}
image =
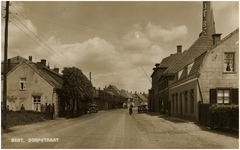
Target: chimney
{"type": "Point", "coordinates": [43, 61]}
{"type": "Point", "coordinates": [135, 92]}
{"type": "Point", "coordinates": [39, 64]}
{"type": "Point", "coordinates": [30, 58]}
{"type": "Point", "coordinates": [56, 70]}
{"type": "Point", "coordinates": [9, 65]}
{"type": "Point", "coordinates": [179, 48]}
{"type": "Point", "coordinates": [157, 64]}
{"type": "Point", "coordinates": [216, 38]}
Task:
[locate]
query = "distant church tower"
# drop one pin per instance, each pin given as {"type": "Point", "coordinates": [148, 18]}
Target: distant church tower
{"type": "Point", "coordinates": [208, 24]}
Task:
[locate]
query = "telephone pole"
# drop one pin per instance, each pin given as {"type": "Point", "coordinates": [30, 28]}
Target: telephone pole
{"type": "Point", "coordinates": [90, 76]}
{"type": "Point", "coordinates": [4, 115]}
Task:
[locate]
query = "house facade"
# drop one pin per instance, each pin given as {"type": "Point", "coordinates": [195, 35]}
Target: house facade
{"type": "Point", "coordinates": [207, 72]}
{"type": "Point", "coordinates": [28, 85]}
{"type": "Point", "coordinates": [213, 77]}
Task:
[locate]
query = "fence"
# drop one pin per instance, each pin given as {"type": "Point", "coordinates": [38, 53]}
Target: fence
{"type": "Point", "coordinates": [48, 111]}
{"type": "Point", "coordinates": [205, 115]}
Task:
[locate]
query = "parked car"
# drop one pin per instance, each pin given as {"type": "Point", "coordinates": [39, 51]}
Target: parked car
{"type": "Point", "coordinates": [125, 106]}
{"type": "Point", "coordinates": [142, 109]}
{"type": "Point", "coordinates": [94, 108]}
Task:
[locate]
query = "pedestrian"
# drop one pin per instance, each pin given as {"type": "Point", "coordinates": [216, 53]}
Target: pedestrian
{"type": "Point", "coordinates": [130, 110]}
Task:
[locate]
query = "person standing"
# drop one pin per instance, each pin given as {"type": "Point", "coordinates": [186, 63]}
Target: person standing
{"type": "Point", "coordinates": [130, 110]}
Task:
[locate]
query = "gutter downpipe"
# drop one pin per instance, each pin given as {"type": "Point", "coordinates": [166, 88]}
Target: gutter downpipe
{"type": "Point", "coordinates": [199, 88]}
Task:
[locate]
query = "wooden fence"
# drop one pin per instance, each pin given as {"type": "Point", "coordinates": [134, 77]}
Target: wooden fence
{"type": "Point", "coordinates": [205, 115]}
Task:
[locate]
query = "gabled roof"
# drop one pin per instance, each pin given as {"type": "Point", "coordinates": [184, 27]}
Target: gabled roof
{"type": "Point", "coordinates": [146, 95]}
{"type": "Point", "coordinates": [113, 89]}
{"type": "Point", "coordinates": [197, 63]}
{"type": "Point", "coordinates": [166, 62]}
{"type": "Point", "coordinates": [16, 59]}
{"type": "Point", "coordinates": [202, 44]}
{"type": "Point", "coordinates": [43, 74]}
{"type": "Point", "coordinates": [13, 62]}
{"type": "Point", "coordinates": [199, 60]}
{"type": "Point", "coordinates": [143, 98]}
{"type": "Point", "coordinates": [125, 94]}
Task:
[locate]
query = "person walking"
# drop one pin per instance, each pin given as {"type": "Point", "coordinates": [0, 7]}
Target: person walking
{"type": "Point", "coordinates": [130, 110]}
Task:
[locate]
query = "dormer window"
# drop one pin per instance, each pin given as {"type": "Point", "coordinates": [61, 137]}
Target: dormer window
{"type": "Point", "coordinates": [189, 67]}
{"type": "Point", "coordinates": [179, 74]}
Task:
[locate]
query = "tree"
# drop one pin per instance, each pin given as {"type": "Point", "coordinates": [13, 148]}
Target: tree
{"type": "Point", "coordinates": [76, 89]}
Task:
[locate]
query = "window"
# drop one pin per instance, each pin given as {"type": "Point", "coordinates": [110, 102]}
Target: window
{"type": "Point", "coordinates": [176, 102]}
{"type": "Point", "coordinates": [229, 62]}
{"type": "Point", "coordinates": [179, 74]}
{"type": "Point", "coordinates": [185, 95]}
{"type": "Point", "coordinates": [223, 96]}
{"type": "Point", "coordinates": [192, 101]}
{"type": "Point", "coordinates": [173, 102]}
{"type": "Point", "coordinates": [22, 83]}
{"type": "Point", "coordinates": [189, 67]}
{"type": "Point", "coordinates": [37, 103]}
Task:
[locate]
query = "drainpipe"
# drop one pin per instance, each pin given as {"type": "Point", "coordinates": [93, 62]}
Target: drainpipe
{"type": "Point", "coordinates": [199, 88]}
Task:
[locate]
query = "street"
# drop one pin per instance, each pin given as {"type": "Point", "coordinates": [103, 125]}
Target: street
{"type": "Point", "coordinates": [116, 129]}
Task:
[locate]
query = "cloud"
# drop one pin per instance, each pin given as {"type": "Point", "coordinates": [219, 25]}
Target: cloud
{"type": "Point", "coordinates": [156, 32]}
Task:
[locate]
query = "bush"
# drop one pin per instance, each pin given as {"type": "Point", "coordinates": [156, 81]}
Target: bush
{"type": "Point", "coordinates": [15, 118]}
{"type": "Point", "coordinates": [225, 116]}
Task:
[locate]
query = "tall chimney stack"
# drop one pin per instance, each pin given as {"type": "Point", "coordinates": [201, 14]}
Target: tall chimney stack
{"type": "Point", "coordinates": [30, 58]}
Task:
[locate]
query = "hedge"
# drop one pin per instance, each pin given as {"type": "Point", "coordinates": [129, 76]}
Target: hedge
{"type": "Point", "coordinates": [15, 118]}
{"type": "Point", "coordinates": [225, 116]}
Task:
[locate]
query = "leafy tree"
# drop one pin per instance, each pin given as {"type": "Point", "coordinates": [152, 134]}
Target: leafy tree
{"type": "Point", "coordinates": [76, 88]}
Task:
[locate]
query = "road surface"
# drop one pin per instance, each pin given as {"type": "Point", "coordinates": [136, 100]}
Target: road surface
{"type": "Point", "coordinates": [116, 129]}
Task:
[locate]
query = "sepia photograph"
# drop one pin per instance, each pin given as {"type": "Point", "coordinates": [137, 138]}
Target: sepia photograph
{"type": "Point", "coordinates": [119, 74]}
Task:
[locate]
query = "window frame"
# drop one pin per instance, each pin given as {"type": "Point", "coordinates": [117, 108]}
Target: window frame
{"type": "Point", "coordinates": [224, 58]}
{"type": "Point", "coordinates": [23, 83]}
{"type": "Point", "coordinates": [229, 97]}
{"type": "Point", "coordinates": [38, 103]}
{"type": "Point", "coordinates": [192, 101]}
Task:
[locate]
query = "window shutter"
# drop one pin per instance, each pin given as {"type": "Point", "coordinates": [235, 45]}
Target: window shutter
{"type": "Point", "coordinates": [213, 96]}
{"type": "Point", "coordinates": [235, 96]}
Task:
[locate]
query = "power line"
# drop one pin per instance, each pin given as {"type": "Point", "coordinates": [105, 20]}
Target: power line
{"type": "Point", "coordinates": [31, 37]}
{"type": "Point", "coordinates": [146, 75]}
{"type": "Point", "coordinates": [39, 32]}
{"type": "Point", "coordinates": [42, 41]}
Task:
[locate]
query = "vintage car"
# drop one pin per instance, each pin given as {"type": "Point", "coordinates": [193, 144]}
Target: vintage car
{"type": "Point", "coordinates": [94, 108]}
{"type": "Point", "coordinates": [142, 109]}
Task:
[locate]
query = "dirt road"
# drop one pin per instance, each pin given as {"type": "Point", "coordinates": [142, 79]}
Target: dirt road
{"type": "Point", "coordinates": [116, 129]}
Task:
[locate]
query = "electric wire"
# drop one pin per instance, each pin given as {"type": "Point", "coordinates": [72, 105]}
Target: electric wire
{"type": "Point", "coordinates": [32, 38]}
{"type": "Point", "coordinates": [41, 40]}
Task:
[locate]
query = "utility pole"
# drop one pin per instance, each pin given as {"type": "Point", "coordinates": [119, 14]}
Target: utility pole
{"type": "Point", "coordinates": [90, 76]}
{"type": "Point", "coordinates": [4, 115]}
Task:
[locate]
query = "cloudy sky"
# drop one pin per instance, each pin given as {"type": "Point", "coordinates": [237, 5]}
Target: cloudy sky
{"type": "Point", "coordinates": [118, 42]}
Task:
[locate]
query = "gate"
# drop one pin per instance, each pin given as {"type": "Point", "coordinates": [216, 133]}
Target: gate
{"type": "Point", "coordinates": [49, 111]}
{"type": "Point", "coordinates": [205, 116]}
